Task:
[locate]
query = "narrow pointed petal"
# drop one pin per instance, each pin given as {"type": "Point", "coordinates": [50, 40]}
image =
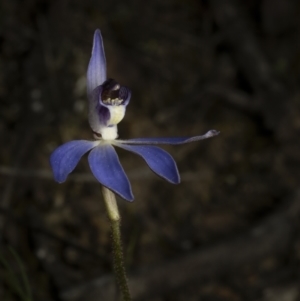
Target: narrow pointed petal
{"type": "Point", "coordinates": [170, 140]}
{"type": "Point", "coordinates": [66, 157]}
{"type": "Point", "coordinates": [106, 168]}
{"type": "Point", "coordinates": [157, 159]}
{"type": "Point", "coordinates": [96, 74]}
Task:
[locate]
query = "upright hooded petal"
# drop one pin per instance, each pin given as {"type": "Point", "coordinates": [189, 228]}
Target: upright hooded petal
{"type": "Point", "coordinates": [170, 140]}
{"type": "Point", "coordinates": [157, 159]}
{"type": "Point", "coordinates": [96, 73]}
{"type": "Point", "coordinates": [65, 158]}
{"type": "Point", "coordinates": [106, 168]}
{"type": "Point", "coordinates": [96, 76]}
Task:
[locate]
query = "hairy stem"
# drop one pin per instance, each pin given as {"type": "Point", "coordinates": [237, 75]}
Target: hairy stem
{"type": "Point", "coordinates": [114, 217]}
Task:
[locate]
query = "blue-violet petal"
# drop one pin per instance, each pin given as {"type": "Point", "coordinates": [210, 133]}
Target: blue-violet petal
{"type": "Point", "coordinates": [65, 158]}
{"type": "Point", "coordinates": [106, 167]}
{"type": "Point", "coordinates": [170, 140]}
{"type": "Point", "coordinates": [96, 73]}
{"type": "Point", "coordinates": [157, 159]}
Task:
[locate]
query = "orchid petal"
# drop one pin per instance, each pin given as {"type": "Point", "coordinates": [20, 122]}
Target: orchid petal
{"type": "Point", "coordinates": [98, 114]}
{"type": "Point", "coordinates": [106, 168]}
{"type": "Point", "coordinates": [65, 158]}
{"type": "Point", "coordinates": [157, 159]}
{"type": "Point", "coordinates": [96, 74]}
{"type": "Point", "coordinates": [170, 140]}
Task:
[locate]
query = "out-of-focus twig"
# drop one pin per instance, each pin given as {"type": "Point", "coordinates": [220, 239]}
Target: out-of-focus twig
{"type": "Point", "coordinates": [138, 174]}
{"type": "Point", "coordinates": [208, 95]}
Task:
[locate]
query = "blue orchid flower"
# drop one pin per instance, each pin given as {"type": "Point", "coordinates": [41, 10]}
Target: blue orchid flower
{"type": "Point", "coordinates": [107, 106]}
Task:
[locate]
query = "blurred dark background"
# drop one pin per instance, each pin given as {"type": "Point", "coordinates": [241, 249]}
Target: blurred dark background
{"type": "Point", "coordinates": [231, 229]}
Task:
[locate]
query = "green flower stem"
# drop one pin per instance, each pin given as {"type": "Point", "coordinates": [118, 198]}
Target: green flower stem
{"type": "Point", "coordinates": [114, 217]}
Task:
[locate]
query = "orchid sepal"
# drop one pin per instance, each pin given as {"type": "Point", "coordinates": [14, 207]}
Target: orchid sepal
{"type": "Point", "coordinates": [159, 161]}
{"type": "Point", "coordinates": [107, 169]}
{"type": "Point", "coordinates": [169, 140]}
{"type": "Point", "coordinates": [66, 157]}
{"type": "Point", "coordinates": [96, 73]}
